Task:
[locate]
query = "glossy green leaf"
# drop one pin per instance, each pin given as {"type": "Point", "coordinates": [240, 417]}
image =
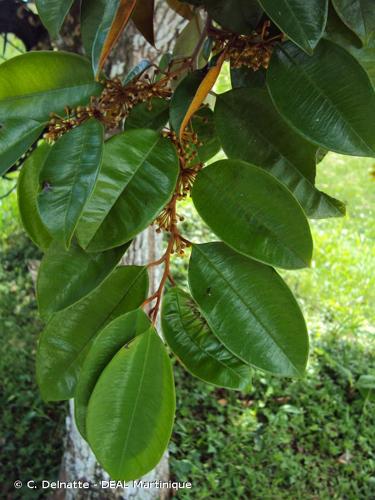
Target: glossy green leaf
{"type": "Point", "coordinates": [254, 213]}
{"type": "Point", "coordinates": [115, 15]}
{"type": "Point", "coordinates": [192, 341]}
{"type": "Point", "coordinates": [67, 338]}
{"type": "Point", "coordinates": [185, 45]}
{"type": "Point", "coordinates": [183, 97]}
{"type": "Point", "coordinates": [339, 33]}
{"type": "Point", "coordinates": [35, 84]}
{"type": "Point", "coordinates": [251, 129]}
{"type": "Point", "coordinates": [250, 309]}
{"type": "Point", "coordinates": [303, 21]}
{"type": "Point", "coordinates": [27, 194]}
{"type": "Point", "coordinates": [91, 13]}
{"type": "Point", "coordinates": [53, 13]}
{"type": "Point", "coordinates": [136, 181]}
{"type": "Point", "coordinates": [246, 77]}
{"type": "Point", "coordinates": [359, 16]}
{"type": "Point", "coordinates": [238, 16]}
{"type": "Point", "coordinates": [203, 124]}
{"type": "Point", "coordinates": [304, 90]}
{"type": "Point", "coordinates": [152, 115]}
{"type": "Point", "coordinates": [68, 177]}
{"type": "Point", "coordinates": [16, 136]}
{"type": "Point", "coordinates": [66, 276]}
{"type": "Point", "coordinates": [131, 410]}
{"type": "Point", "coordinates": [117, 334]}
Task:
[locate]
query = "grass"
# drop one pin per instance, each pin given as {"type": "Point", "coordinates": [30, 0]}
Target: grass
{"type": "Point", "coordinates": [31, 432]}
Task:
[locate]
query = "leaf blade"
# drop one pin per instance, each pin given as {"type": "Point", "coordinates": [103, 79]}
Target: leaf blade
{"type": "Point", "coordinates": [16, 136]}
{"type": "Point", "coordinates": [115, 18]}
{"type": "Point", "coordinates": [302, 21]}
{"type": "Point", "coordinates": [251, 129]}
{"type": "Point", "coordinates": [62, 78]}
{"type": "Point", "coordinates": [237, 294]}
{"type": "Point", "coordinates": [27, 193]}
{"type": "Point", "coordinates": [138, 165]}
{"type": "Point", "coordinates": [192, 341]}
{"type": "Point", "coordinates": [68, 178]}
{"type": "Point", "coordinates": [335, 121]}
{"type": "Point", "coordinates": [143, 18]}
{"type": "Point", "coordinates": [113, 337]}
{"type": "Point", "coordinates": [142, 405]}
{"type": "Point", "coordinates": [75, 275]}
{"type": "Point", "coordinates": [202, 92]}
{"type": "Point", "coordinates": [66, 340]}
{"type": "Point", "coordinates": [233, 198]}
{"type": "Point", "coordinates": [53, 13]}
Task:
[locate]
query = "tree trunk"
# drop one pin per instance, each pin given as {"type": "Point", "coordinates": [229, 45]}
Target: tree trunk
{"type": "Point", "coordinates": [78, 462]}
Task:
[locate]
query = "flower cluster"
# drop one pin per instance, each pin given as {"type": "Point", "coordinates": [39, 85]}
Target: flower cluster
{"type": "Point", "coordinates": [252, 51]}
{"type": "Point", "coordinates": [111, 107]}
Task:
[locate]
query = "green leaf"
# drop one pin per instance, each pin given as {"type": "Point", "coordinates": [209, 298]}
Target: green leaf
{"type": "Point", "coordinates": [203, 124]}
{"type": "Point", "coordinates": [152, 115]}
{"type": "Point", "coordinates": [66, 276]}
{"type": "Point", "coordinates": [254, 213]}
{"type": "Point", "coordinates": [238, 16]}
{"type": "Point", "coordinates": [67, 338]}
{"type": "Point", "coordinates": [27, 193]}
{"type": "Point", "coordinates": [251, 129]}
{"type": "Point", "coordinates": [339, 33]}
{"type": "Point", "coordinates": [303, 21]}
{"type": "Point", "coordinates": [185, 45]}
{"type": "Point", "coordinates": [68, 178]}
{"type": "Point", "coordinates": [53, 13]}
{"type": "Point", "coordinates": [183, 97]}
{"type": "Point", "coordinates": [359, 16]}
{"type": "Point", "coordinates": [108, 26]}
{"type": "Point", "coordinates": [250, 309]}
{"type": "Point", "coordinates": [246, 77]}
{"type": "Point", "coordinates": [131, 410]}
{"type": "Point", "coordinates": [114, 336]}
{"type": "Point", "coordinates": [91, 13]}
{"type": "Point", "coordinates": [35, 84]}
{"type": "Point", "coordinates": [304, 90]}
{"type": "Point", "coordinates": [16, 136]}
{"type": "Point", "coordinates": [192, 341]}
{"type": "Point", "coordinates": [137, 179]}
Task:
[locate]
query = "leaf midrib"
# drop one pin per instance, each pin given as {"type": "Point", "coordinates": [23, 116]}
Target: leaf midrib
{"type": "Point", "coordinates": [204, 350]}
{"type": "Point", "coordinates": [129, 430]}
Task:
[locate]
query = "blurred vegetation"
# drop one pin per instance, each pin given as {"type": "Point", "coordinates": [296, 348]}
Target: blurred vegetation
{"type": "Point", "coordinates": [31, 432]}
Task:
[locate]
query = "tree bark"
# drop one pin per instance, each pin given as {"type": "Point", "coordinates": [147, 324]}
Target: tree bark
{"type": "Point", "coordinates": [79, 462]}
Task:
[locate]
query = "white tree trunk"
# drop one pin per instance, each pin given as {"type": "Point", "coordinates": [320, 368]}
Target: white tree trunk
{"type": "Point", "coordinates": [79, 462]}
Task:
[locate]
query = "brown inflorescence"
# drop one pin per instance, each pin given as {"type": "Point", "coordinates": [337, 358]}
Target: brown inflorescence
{"type": "Point", "coordinates": [111, 107]}
{"type": "Point", "coordinates": [253, 51]}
